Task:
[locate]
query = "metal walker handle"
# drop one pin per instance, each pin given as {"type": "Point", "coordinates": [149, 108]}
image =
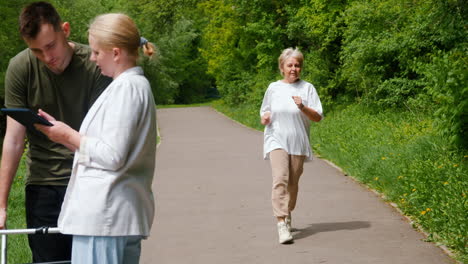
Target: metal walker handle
{"type": "Point", "coordinates": [5, 232]}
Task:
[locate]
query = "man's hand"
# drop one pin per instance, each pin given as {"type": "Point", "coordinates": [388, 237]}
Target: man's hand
{"type": "Point", "coordinates": [3, 218]}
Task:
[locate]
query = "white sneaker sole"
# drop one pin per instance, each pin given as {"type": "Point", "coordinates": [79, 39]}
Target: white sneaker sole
{"type": "Point", "coordinates": [287, 240]}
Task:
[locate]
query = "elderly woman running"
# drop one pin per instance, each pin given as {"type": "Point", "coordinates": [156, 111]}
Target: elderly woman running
{"type": "Point", "coordinates": [287, 109]}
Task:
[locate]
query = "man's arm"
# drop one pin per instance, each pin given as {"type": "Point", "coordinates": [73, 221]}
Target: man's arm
{"type": "Point", "coordinates": [13, 147]}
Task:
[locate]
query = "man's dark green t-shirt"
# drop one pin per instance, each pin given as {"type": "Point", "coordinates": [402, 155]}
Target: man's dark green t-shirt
{"type": "Point", "coordinates": [66, 96]}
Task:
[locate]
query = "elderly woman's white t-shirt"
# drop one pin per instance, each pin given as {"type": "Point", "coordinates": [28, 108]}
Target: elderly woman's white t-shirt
{"type": "Point", "coordinates": [289, 127]}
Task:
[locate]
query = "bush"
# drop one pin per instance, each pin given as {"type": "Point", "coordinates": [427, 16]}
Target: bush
{"type": "Point", "coordinates": [447, 79]}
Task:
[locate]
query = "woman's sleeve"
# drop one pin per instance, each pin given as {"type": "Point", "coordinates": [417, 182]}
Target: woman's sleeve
{"type": "Point", "coordinates": [314, 100]}
{"type": "Point", "coordinates": [118, 130]}
{"type": "Point", "coordinates": [266, 104]}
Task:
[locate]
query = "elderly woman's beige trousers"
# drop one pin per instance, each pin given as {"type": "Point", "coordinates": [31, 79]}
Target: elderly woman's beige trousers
{"type": "Point", "coordinates": [286, 170]}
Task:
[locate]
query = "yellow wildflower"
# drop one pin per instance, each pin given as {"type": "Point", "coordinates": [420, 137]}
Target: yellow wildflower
{"type": "Point", "coordinates": [428, 209]}
{"type": "Point", "coordinates": [423, 212]}
{"type": "Point", "coordinates": [384, 158]}
{"type": "Point", "coordinates": [413, 190]}
{"type": "Point", "coordinates": [455, 165]}
{"type": "Point", "coordinates": [445, 183]}
{"type": "Point", "coordinates": [376, 178]}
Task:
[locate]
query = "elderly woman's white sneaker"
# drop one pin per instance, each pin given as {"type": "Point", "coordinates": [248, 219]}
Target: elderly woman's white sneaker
{"type": "Point", "coordinates": [283, 233]}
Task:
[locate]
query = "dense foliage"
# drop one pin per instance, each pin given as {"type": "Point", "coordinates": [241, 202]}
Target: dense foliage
{"type": "Point", "coordinates": [391, 54]}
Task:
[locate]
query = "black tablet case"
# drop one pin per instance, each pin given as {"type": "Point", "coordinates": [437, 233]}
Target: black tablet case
{"type": "Point", "coordinates": [26, 117]}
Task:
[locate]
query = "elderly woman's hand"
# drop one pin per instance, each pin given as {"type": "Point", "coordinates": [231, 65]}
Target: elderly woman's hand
{"type": "Point", "coordinates": [266, 118]}
{"type": "Point", "coordinates": [298, 102]}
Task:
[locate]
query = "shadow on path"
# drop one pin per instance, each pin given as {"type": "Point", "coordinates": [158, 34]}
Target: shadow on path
{"type": "Point", "coordinates": [312, 229]}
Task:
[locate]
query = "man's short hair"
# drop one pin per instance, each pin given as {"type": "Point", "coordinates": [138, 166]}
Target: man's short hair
{"type": "Point", "coordinates": [36, 14]}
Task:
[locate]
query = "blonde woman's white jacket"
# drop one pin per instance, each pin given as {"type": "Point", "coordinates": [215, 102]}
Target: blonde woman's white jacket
{"type": "Point", "coordinates": [109, 193]}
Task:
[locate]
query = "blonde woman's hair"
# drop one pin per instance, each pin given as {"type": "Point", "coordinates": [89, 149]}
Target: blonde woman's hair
{"type": "Point", "coordinates": [118, 30]}
{"type": "Point", "coordinates": [290, 53]}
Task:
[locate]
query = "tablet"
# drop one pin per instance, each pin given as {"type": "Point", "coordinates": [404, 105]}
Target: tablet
{"type": "Point", "coordinates": [26, 117]}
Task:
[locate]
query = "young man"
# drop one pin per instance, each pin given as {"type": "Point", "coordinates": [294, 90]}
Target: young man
{"type": "Point", "coordinates": [56, 76]}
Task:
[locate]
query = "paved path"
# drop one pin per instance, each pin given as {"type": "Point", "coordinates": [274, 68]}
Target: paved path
{"type": "Point", "coordinates": [213, 205]}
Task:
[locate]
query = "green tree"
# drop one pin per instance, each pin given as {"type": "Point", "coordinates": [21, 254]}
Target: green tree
{"type": "Point", "coordinates": [318, 28]}
{"type": "Point", "coordinates": [11, 44]}
{"type": "Point", "coordinates": [178, 72]}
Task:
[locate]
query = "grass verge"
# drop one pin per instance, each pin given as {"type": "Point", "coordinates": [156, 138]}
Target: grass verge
{"type": "Point", "coordinates": [399, 155]}
{"type": "Point", "coordinates": [18, 249]}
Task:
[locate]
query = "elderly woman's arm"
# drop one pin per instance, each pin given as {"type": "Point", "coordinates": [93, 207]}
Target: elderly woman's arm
{"type": "Point", "coordinates": [309, 112]}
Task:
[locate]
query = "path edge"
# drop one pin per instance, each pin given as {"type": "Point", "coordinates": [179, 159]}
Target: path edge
{"type": "Point", "coordinates": [408, 219]}
{"type": "Point", "coordinates": [380, 195]}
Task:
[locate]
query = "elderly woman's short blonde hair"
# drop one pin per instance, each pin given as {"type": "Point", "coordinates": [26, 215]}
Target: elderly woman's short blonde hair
{"type": "Point", "coordinates": [290, 53]}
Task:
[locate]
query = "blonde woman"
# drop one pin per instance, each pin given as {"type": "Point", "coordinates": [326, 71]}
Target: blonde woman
{"type": "Point", "coordinates": [109, 205]}
{"type": "Point", "coordinates": [287, 109]}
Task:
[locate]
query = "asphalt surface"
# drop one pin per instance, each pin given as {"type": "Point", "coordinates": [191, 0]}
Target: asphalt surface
{"type": "Point", "coordinates": [213, 191]}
